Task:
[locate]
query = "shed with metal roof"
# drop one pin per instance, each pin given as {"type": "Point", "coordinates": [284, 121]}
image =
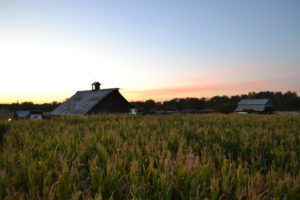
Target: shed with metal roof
{"type": "Point", "coordinates": [21, 114]}
{"type": "Point", "coordinates": [255, 105]}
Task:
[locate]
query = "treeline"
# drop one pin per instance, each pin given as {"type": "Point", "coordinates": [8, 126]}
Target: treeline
{"type": "Point", "coordinates": [46, 107]}
{"type": "Point", "coordinates": [288, 101]}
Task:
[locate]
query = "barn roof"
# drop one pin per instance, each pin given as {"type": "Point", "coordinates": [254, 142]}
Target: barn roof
{"type": "Point", "coordinates": [257, 105]}
{"type": "Point", "coordinates": [253, 101]}
{"type": "Point", "coordinates": [96, 83]}
{"type": "Point", "coordinates": [81, 102]}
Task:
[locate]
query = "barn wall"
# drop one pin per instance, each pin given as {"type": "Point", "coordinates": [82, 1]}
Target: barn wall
{"type": "Point", "coordinates": [269, 104]}
{"type": "Point", "coordinates": [113, 103]}
{"type": "Point", "coordinates": [254, 108]}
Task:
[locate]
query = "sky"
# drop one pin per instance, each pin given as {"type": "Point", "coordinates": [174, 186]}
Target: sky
{"type": "Point", "coordinates": [150, 49]}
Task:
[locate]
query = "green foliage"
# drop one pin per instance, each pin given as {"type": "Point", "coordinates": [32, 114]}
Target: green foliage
{"type": "Point", "coordinates": [4, 126]}
{"type": "Point", "coordinates": [209, 156]}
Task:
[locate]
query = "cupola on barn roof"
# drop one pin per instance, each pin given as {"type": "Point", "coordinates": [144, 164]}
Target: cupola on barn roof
{"type": "Point", "coordinates": [96, 86]}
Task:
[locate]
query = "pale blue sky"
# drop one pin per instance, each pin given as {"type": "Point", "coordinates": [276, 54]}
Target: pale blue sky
{"type": "Point", "coordinates": [209, 47]}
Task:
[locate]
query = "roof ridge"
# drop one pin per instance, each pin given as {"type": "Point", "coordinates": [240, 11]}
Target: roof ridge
{"type": "Point", "coordinates": [257, 99]}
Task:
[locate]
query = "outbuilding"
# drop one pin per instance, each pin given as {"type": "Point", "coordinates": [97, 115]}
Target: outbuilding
{"type": "Point", "coordinates": [28, 114]}
{"type": "Point", "coordinates": [92, 102]}
{"type": "Point", "coordinates": [36, 114]}
{"type": "Point", "coordinates": [255, 106]}
{"type": "Point", "coordinates": [22, 114]}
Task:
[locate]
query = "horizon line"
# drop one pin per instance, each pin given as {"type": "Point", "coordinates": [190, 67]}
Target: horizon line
{"type": "Point", "coordinates": [156, 100]}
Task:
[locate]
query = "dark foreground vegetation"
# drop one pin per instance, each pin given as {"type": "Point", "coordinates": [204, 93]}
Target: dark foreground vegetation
{"type": "Point", "coordinates": [210, 156]}
{"type": "Point", "coordinates": [288, 101]}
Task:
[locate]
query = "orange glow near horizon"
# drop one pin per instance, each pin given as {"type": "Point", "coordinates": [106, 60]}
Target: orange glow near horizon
{"type": "Point", "coordinates": [206, 89]}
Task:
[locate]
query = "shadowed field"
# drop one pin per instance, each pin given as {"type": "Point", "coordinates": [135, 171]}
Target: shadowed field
{"type": "Point", "coordinates": [6, 116]}
{"type": "Point", "coordinates": [151, 157]}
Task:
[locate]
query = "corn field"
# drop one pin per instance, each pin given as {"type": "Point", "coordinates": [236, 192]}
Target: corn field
{"type": "Point", "coordinates": [209, 156]}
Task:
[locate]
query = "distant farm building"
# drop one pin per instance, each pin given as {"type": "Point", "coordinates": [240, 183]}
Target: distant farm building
{"type": "Point", "coordinates": [36, 114]}
{"type": "Point", "coordinates": [4, 111]}
{"type": "Point", "coordinates": [26, 114]}
{"type": "Point", "coordinates": [255, 105]}
{"type": "Point", "coordinates": [22, 114]}
{"type": "Point", "coordinates": [92, 102]}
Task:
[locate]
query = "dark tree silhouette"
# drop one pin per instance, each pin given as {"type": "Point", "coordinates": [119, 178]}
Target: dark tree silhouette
{"type": "Point", "coordinates": [288, 101]}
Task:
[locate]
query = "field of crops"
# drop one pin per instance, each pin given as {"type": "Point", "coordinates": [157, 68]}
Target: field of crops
{"type": "Point", "coordinates": [210, 156]}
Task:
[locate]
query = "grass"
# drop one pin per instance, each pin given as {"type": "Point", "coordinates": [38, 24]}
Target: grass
{"type": "Point", "coordinates": [151, 157]}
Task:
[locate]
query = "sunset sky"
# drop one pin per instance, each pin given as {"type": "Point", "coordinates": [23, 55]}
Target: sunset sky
{"type": "Point", "coordinates": [150, 49]}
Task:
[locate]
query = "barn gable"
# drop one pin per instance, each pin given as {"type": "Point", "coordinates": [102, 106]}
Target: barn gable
{"type": "Point", "coordinates": [112, 103]}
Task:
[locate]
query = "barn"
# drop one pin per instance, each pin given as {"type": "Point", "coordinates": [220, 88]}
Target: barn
{"type": "Point", "coordinates": [255, 105]}
{"type": "Point", "coordinates": [93, 102]}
